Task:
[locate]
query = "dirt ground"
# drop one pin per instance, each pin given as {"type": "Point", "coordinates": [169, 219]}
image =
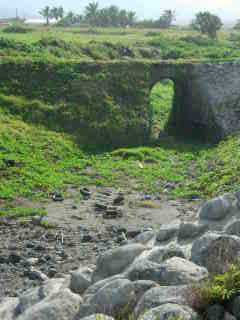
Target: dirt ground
{"type": "Point", "coordinates": [77, 232]}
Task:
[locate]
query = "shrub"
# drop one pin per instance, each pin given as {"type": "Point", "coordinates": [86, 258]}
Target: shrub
{"type": "Point", "coordinates": [220, 289]}
{"type": "Point", "coordinates": [17, 28]}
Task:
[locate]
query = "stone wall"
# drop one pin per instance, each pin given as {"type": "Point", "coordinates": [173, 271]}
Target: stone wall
{"type": "Point", "coordinates": [107, 103]}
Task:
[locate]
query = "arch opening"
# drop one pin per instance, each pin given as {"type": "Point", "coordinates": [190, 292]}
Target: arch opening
{"type": "Point", "coordinates": [161, 103]}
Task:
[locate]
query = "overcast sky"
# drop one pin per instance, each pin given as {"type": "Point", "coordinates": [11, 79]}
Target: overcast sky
{"type": "Point", "coordinates": [229, 10]}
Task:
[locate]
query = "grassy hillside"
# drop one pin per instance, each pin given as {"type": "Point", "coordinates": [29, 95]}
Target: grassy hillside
{"type": "Point", "coordinates": [36, 161]}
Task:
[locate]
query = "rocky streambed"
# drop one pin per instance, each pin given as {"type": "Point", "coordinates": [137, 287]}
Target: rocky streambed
{"type": "Point", "coordinates": [145, 277]}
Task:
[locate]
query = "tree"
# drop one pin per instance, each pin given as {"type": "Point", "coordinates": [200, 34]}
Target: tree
{"type": "Point", "coordinates": [46, 12]}
{"type": "Point", "coordinates": [207, 23]}
{"type": "Point", "coordinates": [166, 19]}
{"type": "Point", "coordinates": [91, 12]}
{"type": "Point", "coordinates": [131, 15]}
{"type": "Point", "coordinates": [237, 25]}
{"type": "Point", "coordinates": [60, 12]}
{"type": "Point", "coordinates": [57, 13]}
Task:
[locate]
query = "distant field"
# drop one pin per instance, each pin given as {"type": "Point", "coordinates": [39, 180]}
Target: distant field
{"type": "Point", "coordinates": [117, 43]}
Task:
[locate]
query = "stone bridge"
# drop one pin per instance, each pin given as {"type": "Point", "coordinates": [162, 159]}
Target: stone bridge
{"type": "Point", "coordinates": [207, 98]}
{"type": "Point", "coordinates": [109, 101]}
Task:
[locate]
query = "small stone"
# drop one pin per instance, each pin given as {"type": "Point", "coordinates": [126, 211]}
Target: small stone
{"type": "Point", "coordinates": [119, 199]}
{"type": "Point", "coordinates": [14, 258]}
{"type": "Point", "coordinates": [113, 212]}
{"type": "Point", "coordinates": [35, 274]}
{"type": "Point", "coordinates": [85, 192]}
{"type": "Point", "coordinates": [57, 197]}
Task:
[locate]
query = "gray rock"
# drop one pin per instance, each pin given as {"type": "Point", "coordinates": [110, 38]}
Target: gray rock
{"type": "Point", "coordinates": [63, 306]}
{"type": "Point", "coordinates": [116, 261]}
{"type": "Point", "coordinates": [189, 230]}
{"type": "Point", "coordinates": [234, 307]}
{"type": "Point", "coordinates": [215, 312]}
{"type": "Point", "coordinates": [157, 296]}
{"type": "Point", "coordinates": [147, 239]}
{"type": "Point", "coordinates": [7, 308]}
{"type": "Point", "coordinates": [218, 208]}
{"type": "Point", "coordinates": [98, 316]}
{"type": "Point", "coordinates": [33, 296]}
{"type": "Point", "coordinates": [228, 316]}
{"type": "Point", "coordinates": [233, 228]}
{"type": "Point", "coordinates": [94, 288]}
{"type": "Point", "coordinates": [80, 280]}
{"type": "Point", "coordinates": [168, 231]}
{"type": "Point", "coordinates": [169, 311]}
{"type": "Point", "coordinates": [174, 271]}
{"type": "Point", "coordinates": [215, 252]}
{"type": "Point", "coordinates": [117, 298]}
{"type": "Point", "coordinates": [177, 271]}
{"type": "Point", "coordinates": [160, 254]}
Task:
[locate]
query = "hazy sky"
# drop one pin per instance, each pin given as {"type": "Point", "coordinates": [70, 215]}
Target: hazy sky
{"type": "Point", "coordinates": [229, 10]}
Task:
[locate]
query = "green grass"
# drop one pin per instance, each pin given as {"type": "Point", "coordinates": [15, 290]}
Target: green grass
{"type": "Point", "coordinates": [109, 43]}
{"type": "Point", "coordinates": [36, 161]}
{"type": "Point", "coordinates": [21, 212]}
{"type": "Point", "coordinates": [161, 103]}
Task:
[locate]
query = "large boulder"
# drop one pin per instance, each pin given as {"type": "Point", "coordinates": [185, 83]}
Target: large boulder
{"type": "Point", "coordinates": [147, 238]}
{"type": "Point", "coordinates": [116, 261]}
{"type": "Point", "coordinates": [170, 311]}
{"type": "Point", "coordinates": [160, 254]}
{"type": "Point", "coordinates": [8, 308]}
{"type": "Point", "coordinates": [80, 280]}
{"type": "Point", "coordinates": [215, 251]}
{"type": "Point", "coordinates": [215, 312]}
{"type": "Point", "coordinates": [63, 306]}
{"type": "Point", "coordinates": [168, 231]}
{"type": "Point", "coordinates": [94, 288]}
{"type": "Point", "coordinates": [189, 230]}
{"type": "Point", "coordinates": [155, 297]}
{"type": "Point", "coordinates": [177, 271]}
{"type": "Point", "coordinates": [46, 290]}
{"type": "Point", "coordinates": [174, 271]}
{"type": "Point", "coordinates": [234, 307]}
{"type": "Point", "coordinates": [233, 228]}
{"type": "Point", "coordinates": [119, 297]}
{"type": "Point", "coordinates": [218, 208]}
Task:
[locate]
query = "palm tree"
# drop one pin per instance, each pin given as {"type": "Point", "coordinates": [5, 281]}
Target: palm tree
{"type": "Point", "coordinates": [60, 12]}
{"type": "Point", "coordinates": [46, 12]}
{"type": "Point", "coordinates": [92, 13]}
{"type": "Point", "coordinates": [131, 17]}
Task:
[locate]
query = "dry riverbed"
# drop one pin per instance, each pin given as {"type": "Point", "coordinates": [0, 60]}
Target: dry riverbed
{"type": "Point", "coordinates": [75, 233]}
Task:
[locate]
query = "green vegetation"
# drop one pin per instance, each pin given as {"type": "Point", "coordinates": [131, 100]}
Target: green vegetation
{"type": "Point", "coordinates": [207, 23]}
{"type": "Point", "coordinates": [36, 160]}
{"type": "Point", "coordinates": [17, 28]}
{"type": "Point", "coordinates": [219, 290]}
{"type": "Point", "coordinates": [47, 133]}
{"type": "Point", "coordinates": [116, 43]}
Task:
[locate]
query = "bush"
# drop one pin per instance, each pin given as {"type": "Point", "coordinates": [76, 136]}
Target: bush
{"type": "Point", "coordinates": [220, 289]}
{"type": "Point", "coordinates": [17, 28]}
